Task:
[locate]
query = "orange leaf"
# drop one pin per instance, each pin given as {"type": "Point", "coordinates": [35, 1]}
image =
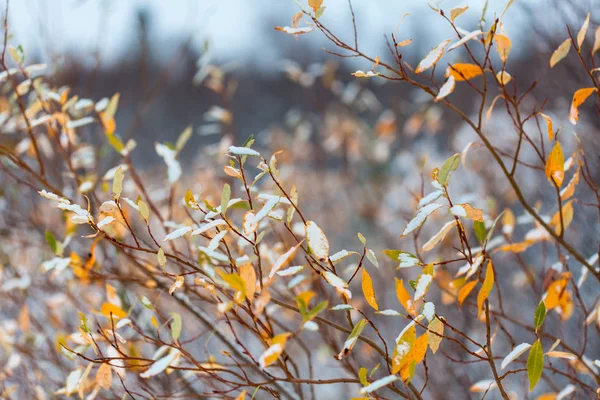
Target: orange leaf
{"type": "Point", "coordinates": [578, 98]}
{"type": "Point", "coordinates": [465, 290]}
{"type": "Point", "coordinates": [108, 308]}
{"type": "Point", "coordinates": [104, 376]}
{"type": "Point", "coordinates": [486, 288]}
{"type": "Point", "coordinates": [548, 126]}
{"type": "Point", "coordinates": [404, 297]}
{"type": "Point", "coordinates": [555, 165]}
{"type": "Point", "coordinates": [315, 4]}
{"type": "Point", "coordinates": [368, 291]}
{"type": "Point", "coordinates": [464, 71]}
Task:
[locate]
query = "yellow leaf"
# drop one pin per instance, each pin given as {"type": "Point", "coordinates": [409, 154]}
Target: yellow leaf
{"type": "Point", "coordinates": [274, 351]}
{"type": "Point", "coordinates": [583, 31]}
{"type": "Point", "coordinates": [456, 12]}
{"type": "Point", "coordinates": [404, 297]}
{"type": "Point", "coordinates": [465, 290]}
{"type": "Point", "coordinates": [463, 71]}
{"type": "Point", "coordinates": [560, 53]}
{"type": "Point", "coordinates": [596, 41]}
{"type": "Point", "coordinates": [578, 98]}
{"type": "Point", "coordinates": [546, 396]}
{"type": "Point", "coordinates": [144, 210]}
{"type": "Point", "coordinates": [548, 125]}
{"type": "Point", "coordinates": [435, 332]}
{"type": "Point", "coordinates": [108, 308]}
{"type": "Point", "coordinates": [555, 165]}
{"type": "Point", "coordinates": [503, 77]}
{"type": "Point", "coordinates": [368, 291]}
{"type": "Point", "coordinates": [569, 190]}
{"type": "Point", "coordinates": [315, 4]}
{"type": "Point", "coordinates": [117, 185]}
{"type": "Point", "coordinates": [567, 217]}
{"type": "Point", "coordinates": [486, 288]}
{"type": "Point", "coordinates": [248, 275]}
{"type": "Point", "coordinates": [104, 376]}
{"type": "Point", "coordinates": [508, 222]}
{"type": "Point", "coordinates": [503, 46]}
{"type": "Point", "coordinates": [419, 348]}
{"type": "Point", "coordinates": [516, 248]}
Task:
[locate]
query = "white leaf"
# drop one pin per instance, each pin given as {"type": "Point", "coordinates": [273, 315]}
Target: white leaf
{"type": "Point", "coordinates": [317, 241]}
{"type": "Point", "coordinates": [422, 285]}
{"type": "Point", "coordinates": [516, 352]}
{"type": "Point", "coordinates": [483, 386]}
{"type": "Point", "coordinates": [105, 221]}
{"type": "Point", "coordinates": [208, 226]}
{"type": "Point", "coordinates": [177, 233]}
{"type": "Point", "coordinates": [433, 57]}
{"type": "Point", "coordinates": [465, 39]}
{"type": "Point", "coordinates": [429, 311]}
{"type": "Point", "coordinates": [420, 218]}
{"type": "Point", "coordinates": [438, 237]}
{"type": "Point", "coordinates": [160, 365]}
{"type": "Point", "coordinates": [168, 155]}
{"type": "Point", "coordinates": [378, 384]}
{"type": "Point", "coordinates": [243, 151]}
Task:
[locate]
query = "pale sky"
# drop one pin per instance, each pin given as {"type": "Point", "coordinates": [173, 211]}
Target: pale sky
{"type": "Point", "coordinates": [239, 30]}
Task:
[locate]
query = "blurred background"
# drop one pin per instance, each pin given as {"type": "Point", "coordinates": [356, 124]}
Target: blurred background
{"type": "Point", "coordinates": [355, 148]}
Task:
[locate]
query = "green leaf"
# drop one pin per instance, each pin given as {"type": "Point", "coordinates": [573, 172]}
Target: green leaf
{"type": "Point", "coordinates": [83, 322]}
{"type": "Point", "coordinates": [183, 138]}
{"type": "Point", "coordinates": [176, 326]}
{"type": "Point", "coordinates": [375, 368]}
{"type": "Point", "coordinates": [316, 310]}
{"type": "Point", "coordinates": [539, 316]}
{"type": "Point", "coordinates": [225, 196]}
{"type": "Point", "coordinates": [358, 328]}
{"type": "Point", "coordinates": [450, 165]}
{"type": "Point", "coordinates": [413, 284]}
{"type": "Point", "coordinates": [116, 143]}
{"type": "Point", "coordinates": [51, 241]}
{"type": "Point", "coordinates": [535, 364]}
{"type": "Point", "coordinates": [362, 375]}
{"type": "Point", "coordinates": [319, 12]}
{"type": "Point", "coordinates": [479, 229]}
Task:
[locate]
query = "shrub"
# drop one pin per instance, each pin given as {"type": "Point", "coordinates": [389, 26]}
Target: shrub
{"type": "Point", "coordinates": [147, 289]}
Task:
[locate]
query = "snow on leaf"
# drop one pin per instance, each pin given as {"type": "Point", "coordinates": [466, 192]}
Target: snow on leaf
{"type": "Point", "coordinates": [446, 89]}
{"type": "Point", "coordinates": [467, 211]}
{"type": "Point", "coordinates": [293, 31]}
{"type": "Point", "coordinates": [438, 237]}
{"type": "Point", "coordinates": [378, 384]}
{"type": "Point", "coordinates": [422, 285]}
{"type": "Point", "coordinates": [105, 221]}
{"type": "Point", "coordinates": [161, 364]}
{"type": "Point", "coordinates": [352, 338]}
{"type": "Point", "coordinates": [342, 307]}
{"type": "Point", "coordinates": [514, 354]}
{"type": "Point", "coordinates": [465, 39]}
{"type": "Point", "coordinates": [243, 151]}
{"type": "Point", "coordinates": [362, 74]}
{"type": "Point", "coordinates": [420, 218]}
{"type": "Point", "coordinates": [169, 156]}
{"type": "Point", "coordinates": [432, 57]}
{"type": "Point", "coordinates": [208, 226]}
{"type": "Point", "coordinates": [317, 241]}
{"type": "Point", "coordinates": [433, 196]}
{"type": "Point", "coordinates": [52, 196]}
{"type": "Point", "coordinates": [291, 270]}
{"type": "Point", "coordinates": [283, 260]}
{"type": "Point", "coordinates": [483, 386]}
{"type": "Point", "coordinates": [177, 233]}
{"type": "Point", "coordinates": [429, 311]}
